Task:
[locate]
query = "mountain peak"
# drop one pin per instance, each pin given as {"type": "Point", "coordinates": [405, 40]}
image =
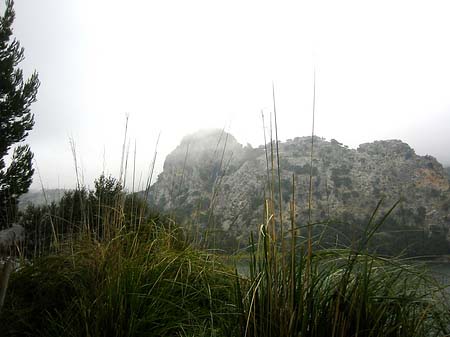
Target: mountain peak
{"type": "Point", "coordinates": [211, 177]}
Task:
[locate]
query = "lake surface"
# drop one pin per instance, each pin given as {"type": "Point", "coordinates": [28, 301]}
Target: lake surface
{"type": "Point", "coordinates": [441, 271]}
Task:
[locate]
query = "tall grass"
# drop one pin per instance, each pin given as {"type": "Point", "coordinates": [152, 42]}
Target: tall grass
{"type": "Point", "coordinates": [337, 292]}
{"type": "Point", "coordinates": [294, 290]}
{"type": "Point", "coordinates": [141, 283]}
{"type": "Point", "coordinates": [119, 271]}
{"type": "Point", "coordinates": [147, 281]}
{"type": "Point", "coordinates": [112, 268]}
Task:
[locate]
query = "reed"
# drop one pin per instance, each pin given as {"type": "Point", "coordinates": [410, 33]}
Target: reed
{"type": "Point", "coordinates": [141, 283]}
{"type": "Point", "coordinates": [337, 292]}
{"type": "Point", "coordinates": [105, 265]}
{"type": "Point", "coordinates": [294, 290]}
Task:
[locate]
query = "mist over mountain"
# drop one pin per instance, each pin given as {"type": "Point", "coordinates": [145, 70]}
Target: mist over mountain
{"type": "Point", "coordinates": [213, 182]}
{"type": "Point", "coordinates": [39, 197]}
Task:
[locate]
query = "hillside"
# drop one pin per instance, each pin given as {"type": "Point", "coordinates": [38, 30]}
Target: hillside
{"type": "Point", "coordinates": [37, 197]}
{"type": "Point", "coordinates": [212, 182]}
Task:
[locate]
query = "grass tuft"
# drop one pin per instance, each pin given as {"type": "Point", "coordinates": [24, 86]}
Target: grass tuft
{"type": "Point", "coordinates": [143, 283]}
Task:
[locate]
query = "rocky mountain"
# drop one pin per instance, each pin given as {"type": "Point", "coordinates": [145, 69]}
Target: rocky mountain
{"type": "Point", "coordinates": [213, 183]}
{"type": "Point", "coordinates": [37, 197]}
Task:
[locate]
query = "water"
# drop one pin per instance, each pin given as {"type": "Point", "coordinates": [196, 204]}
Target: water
{"type": "Point", "coordinates": [441, 271]}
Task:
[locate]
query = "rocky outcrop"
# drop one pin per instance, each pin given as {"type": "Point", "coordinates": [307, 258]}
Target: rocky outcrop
{"type": "Point", "coordinates": [11, 238]}
{"type": "Point", "coordinates": [211, 181]}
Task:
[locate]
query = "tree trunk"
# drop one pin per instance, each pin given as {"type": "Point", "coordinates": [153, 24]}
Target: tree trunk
{"type": "Point", "coordinates": [5, 272]}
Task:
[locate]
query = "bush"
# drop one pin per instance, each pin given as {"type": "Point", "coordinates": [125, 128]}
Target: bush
{"type": "Point", "coordinates": [144, 283]}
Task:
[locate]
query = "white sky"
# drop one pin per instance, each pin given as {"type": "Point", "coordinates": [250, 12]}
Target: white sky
{"type": "Point", "coordinates": [383, 72]}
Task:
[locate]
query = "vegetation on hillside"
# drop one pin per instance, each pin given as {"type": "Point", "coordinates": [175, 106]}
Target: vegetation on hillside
{"type": "Point", "coordinates": [101, 263]}
{"type": "Point", "coordinates": [110, 267]}
{"type": "Point", "coordinates": [211, 181]}
{"type": "Point", "coordinates": [447, 170]}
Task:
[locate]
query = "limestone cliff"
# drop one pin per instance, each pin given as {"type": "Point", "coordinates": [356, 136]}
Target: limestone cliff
{"type": "Point", "coordinates": [211, 181]}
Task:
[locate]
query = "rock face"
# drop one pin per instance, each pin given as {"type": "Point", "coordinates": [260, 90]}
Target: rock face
{"type": "Point", "coordinates": [11, 237]}
{"type": "Point", "coordinates": [213, 182]}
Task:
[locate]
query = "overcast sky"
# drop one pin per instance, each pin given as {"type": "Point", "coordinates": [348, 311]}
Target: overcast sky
{"type": "Point", "coordinates": [382, 72]}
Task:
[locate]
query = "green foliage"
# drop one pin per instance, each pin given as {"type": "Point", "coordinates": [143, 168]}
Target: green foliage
{"type": "Point", "coordinates": [38, 225]}
{"type": "Point", "coordinates": [144, 279]}
{"type": "Point", "coordinates": [419, 218]}
{"type": "Point", "coordinates": [143, 283]}
{"type": "Point", "coordinates": [294, 290]}
{"type": "Point", "coordinates": [107, 190]}
{"type": "Point", "coordinates": [299, 169]}
{"type": "Point", "coordinates": [341, 177]}
{"type": "Point", "coordinates": [102, 212]}
{"type": "Point", "coordinates": [73, 208]}
{"type": "Point", "coordinates": [16, 119]}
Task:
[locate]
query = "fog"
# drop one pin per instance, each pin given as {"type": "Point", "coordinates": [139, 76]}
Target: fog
{"type": "Point", "coordinates": [174, 67]}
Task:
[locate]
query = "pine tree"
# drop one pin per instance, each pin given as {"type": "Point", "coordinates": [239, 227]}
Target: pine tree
{"type": "Point", "coordinates": [16, 119]}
